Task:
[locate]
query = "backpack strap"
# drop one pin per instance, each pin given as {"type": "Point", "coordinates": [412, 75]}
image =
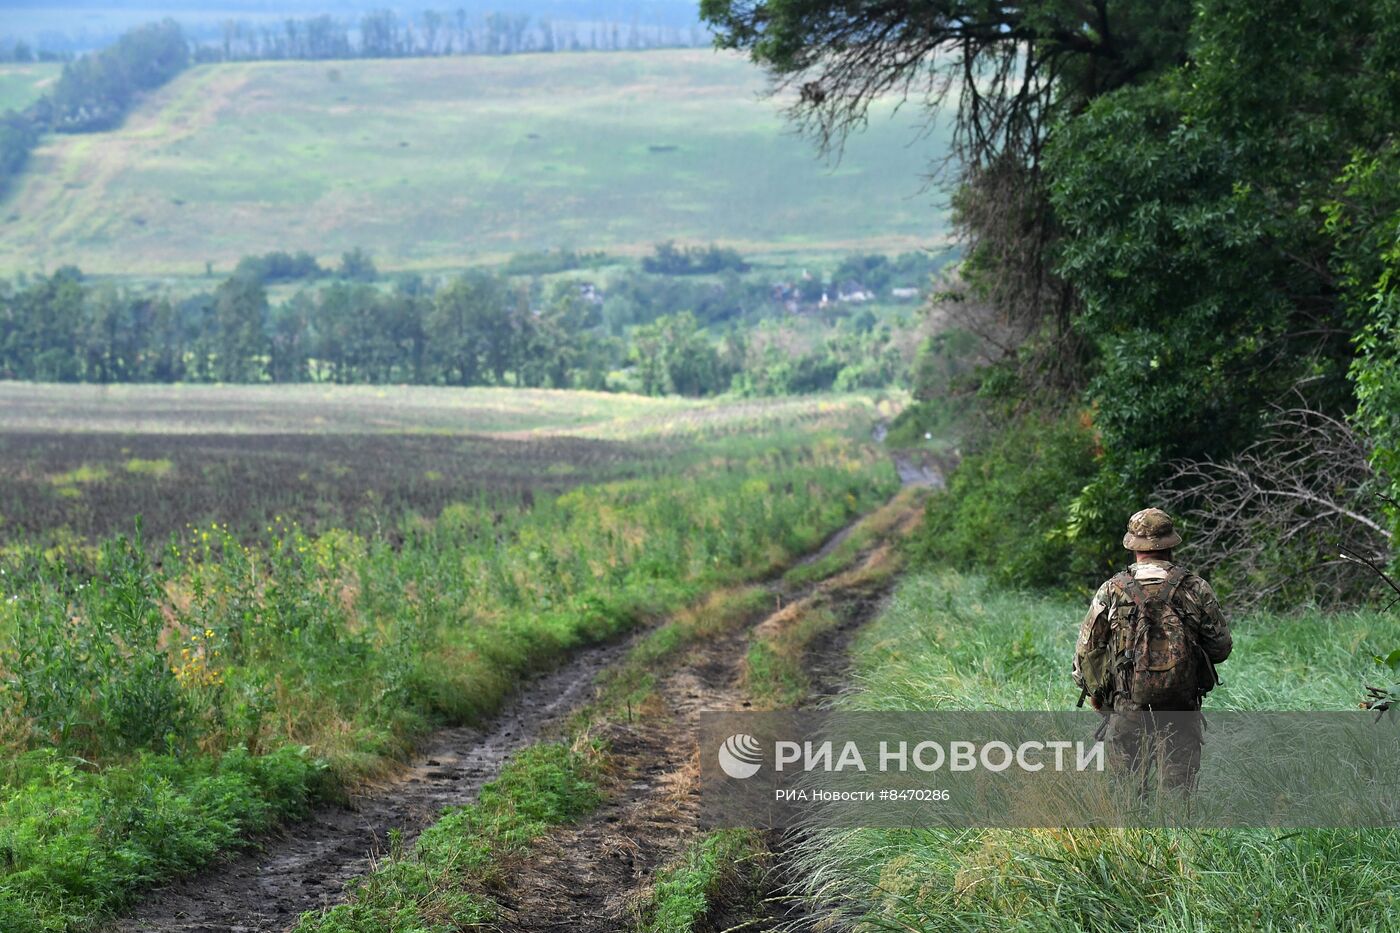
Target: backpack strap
{"type": "Point", "coordinates": [1174, 578]}
{"type": "Point", "coordinates": [1126, 583]}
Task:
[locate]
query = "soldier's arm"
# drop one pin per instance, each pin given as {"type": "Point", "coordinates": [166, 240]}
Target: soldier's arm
{"type": "Point", "coordinates": [1090, 632]}
{"type": "Point", "coordinates": [1215, 631]}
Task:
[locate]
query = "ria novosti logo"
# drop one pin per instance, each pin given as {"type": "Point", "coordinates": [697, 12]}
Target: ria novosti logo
{"type": "Point", "coordinates": [740, 756]}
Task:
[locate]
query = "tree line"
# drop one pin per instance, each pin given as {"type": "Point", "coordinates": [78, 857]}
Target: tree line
{"type": "Point", "coordinates": [386, 34]}
{"type": "Point", "coordinates": [95, 92]}
{"type": "Point", "coordinates": [647, 333]}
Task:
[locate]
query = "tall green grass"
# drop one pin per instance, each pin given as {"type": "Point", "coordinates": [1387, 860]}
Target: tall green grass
{"type": "Point", "coordinates": [950, 641]}
{"type": "Point", "coordinates": [298, 665]}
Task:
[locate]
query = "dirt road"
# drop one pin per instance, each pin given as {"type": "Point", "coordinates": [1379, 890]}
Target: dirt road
{"type": "Point", "coordinates": [591, 877]}
{"type": "Point", "coordinates": [583, 878]}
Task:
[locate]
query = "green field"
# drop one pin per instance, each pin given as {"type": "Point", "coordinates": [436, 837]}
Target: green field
{"type": "Point", "coordinates": [438, 163]}
{"type": "Point", "coordinates": [21, 85]}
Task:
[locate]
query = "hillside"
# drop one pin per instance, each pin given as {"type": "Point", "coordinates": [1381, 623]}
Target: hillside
{"type": "Point", "coordinates": [434, 163]}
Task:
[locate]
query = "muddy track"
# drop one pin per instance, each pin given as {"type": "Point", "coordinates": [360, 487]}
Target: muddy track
{"type": "Point", "coordinates": [306, 866]}
{"type": "Point", "coordinates": [600, 863]}
{"type": "Point", "coordinates": [590, 877]}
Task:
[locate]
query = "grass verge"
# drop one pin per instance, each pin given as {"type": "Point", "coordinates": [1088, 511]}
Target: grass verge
{"type": "Point", "coordinates": [951, 641]}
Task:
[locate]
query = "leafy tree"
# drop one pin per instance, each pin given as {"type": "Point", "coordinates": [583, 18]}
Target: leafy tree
{"type": "Point", "coordinates": [669, 259]}
{"type": "Point", "coordinates": [240, 313]}
{"type": "Point", "coordinates": [1196, 235]}
{"type": "Point", "coordinates": [469, 329]}
{"type": "Point", "coordinates": [357, 266]}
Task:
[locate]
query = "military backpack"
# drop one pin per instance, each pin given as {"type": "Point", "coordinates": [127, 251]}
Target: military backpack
{"type": "Point", "coordinates": [1152, 654]}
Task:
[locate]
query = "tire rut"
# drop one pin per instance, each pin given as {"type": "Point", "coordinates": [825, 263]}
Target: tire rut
{"type": "Point", "coordinates": [306, 866]}
{"type": "Point", "coordinates": [600, 863]}
{"type": "Point", "coordinates": [591, 877]}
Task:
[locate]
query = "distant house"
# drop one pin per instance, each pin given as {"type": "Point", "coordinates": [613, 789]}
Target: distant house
{"type": "Point", "coordinates": [853, 292]}
{"type": "Point", "coordinates": [590, 293]}
{"type": "Point", "coordinates": [905, 294]}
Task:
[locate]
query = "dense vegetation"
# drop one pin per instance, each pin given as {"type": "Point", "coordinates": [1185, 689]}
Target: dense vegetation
{"type": "Point", "coordinates": [684, 335]}
{"type": "Point", "coordinates": [160, 706]}
{"type": "Point", "coordinates": [1180, 223]}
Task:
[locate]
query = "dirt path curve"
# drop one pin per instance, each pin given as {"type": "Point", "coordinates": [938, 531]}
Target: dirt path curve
{"type": "Point", "coordinates": [590, 877]}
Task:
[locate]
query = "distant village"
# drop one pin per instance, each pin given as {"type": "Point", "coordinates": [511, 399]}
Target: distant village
{"type": "Point", "coordinates": [808, 294]}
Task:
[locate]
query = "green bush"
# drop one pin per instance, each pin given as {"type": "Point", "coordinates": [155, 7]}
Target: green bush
{"type": "Point", "coordinates": [1007, 508]}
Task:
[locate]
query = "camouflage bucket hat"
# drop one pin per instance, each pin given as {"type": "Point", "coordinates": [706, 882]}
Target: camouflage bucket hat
{"type": "Point", "coordinates": [1151, 530]}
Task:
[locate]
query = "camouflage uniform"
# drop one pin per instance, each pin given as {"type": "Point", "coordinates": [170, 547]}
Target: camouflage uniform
{"type": "Point", "coordinates": [1140, 737]}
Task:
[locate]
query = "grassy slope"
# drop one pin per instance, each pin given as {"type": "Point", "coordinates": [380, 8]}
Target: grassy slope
{"type": "Point", "coordinates": [951, 641]}
{"type": "Point", "coordinates": [434, 163]}
{"type": "Point", "coordinates": [21, 85]}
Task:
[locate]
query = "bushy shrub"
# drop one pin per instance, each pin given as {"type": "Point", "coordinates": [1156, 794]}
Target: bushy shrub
{"type": "Point", "coordinates": [1007, 507]}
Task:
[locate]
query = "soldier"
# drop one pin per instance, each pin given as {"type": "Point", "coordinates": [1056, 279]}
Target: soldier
{"type": "Point", "coordinates": [1146, 656]}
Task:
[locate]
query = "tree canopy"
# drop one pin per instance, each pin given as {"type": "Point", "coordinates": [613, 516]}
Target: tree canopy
{"type": "Point", "coordinates": [1184, 213]}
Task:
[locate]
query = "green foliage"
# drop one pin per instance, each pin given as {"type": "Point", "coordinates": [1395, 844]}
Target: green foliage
{"type": "Point", "coordinates": [1005, 507]}
{"type": "Point", "coordinates": [17, 137]}
{"type": "Point", "coordinates": [1365, 222]}
{"type": "Point", "coordinates": [672, 355]}
{"type": "Point", "coordinates": [1193, 207]}
{"type": "Point", "coordinates": [879, 273]}
{"type": "Point", "coordinates": [356, 265]}
{"type": "Point", "coordinates": [96, 90]}
{"type": "Point", "coordinates": [86, 661]}
{"type": "Point", "coordinates": [77, 842]}
{"type": "Point", "coordinates": [426, 889]}
{"type": "Point", "coordinates": [279, 266]}
{"type": "Point", "coordinates": [240, 308]}
{"type": "Point", "coordinates": [669, 259]}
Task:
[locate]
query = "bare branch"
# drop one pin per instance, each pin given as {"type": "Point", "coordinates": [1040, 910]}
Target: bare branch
{"type": "Point", "coordinates": [1300, 496]}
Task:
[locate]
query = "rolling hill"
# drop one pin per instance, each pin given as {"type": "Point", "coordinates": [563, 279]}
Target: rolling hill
{"type": "Point", "coordinates": [440, 163]}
